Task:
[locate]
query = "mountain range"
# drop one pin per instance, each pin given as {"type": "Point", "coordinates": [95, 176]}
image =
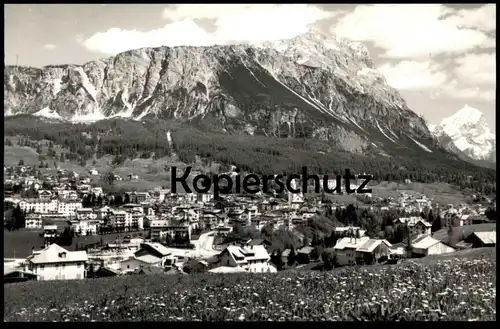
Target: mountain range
{"type": "Point", "coordinates": [466, 133]}
{"type": "Point", "coordinates": [310, 86]}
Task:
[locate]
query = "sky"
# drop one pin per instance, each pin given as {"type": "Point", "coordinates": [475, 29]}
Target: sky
{"type": "Point", "coordinates": [439, 57]}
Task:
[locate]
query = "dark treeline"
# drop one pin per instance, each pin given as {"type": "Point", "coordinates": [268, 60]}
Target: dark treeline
{"type": "Point", "coordinates": [265, 155]}
{"type": "Point", "coordinates": [259, 154]}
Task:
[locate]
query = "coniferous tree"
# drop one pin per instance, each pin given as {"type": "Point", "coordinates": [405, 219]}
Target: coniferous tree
{"type": "Point", "coordinates": [99, 201]}
{"type": "Point", "coordinates": [278, 260]}
{"type": "Point", "coordinates": [436, 224]}
{"type": "Point", "coordinates": [292, 257]}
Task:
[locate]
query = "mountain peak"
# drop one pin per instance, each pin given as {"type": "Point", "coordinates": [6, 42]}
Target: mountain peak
{"type": "Point", "coordinates": [467, 114]}
{"type": "Point", "coordinates": [314, 34]}
{"type": "Point", "coordinates": [469, 132]}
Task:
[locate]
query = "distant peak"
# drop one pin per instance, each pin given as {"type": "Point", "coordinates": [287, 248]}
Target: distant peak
{"type": "Point", "coordinates": [465, 115]}
{"type": "Point", "coordinates": [469, 112]}
{"type": "Point", "coordinates": [314, 35]}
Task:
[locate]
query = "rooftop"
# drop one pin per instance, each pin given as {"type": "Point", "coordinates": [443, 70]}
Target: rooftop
{"type": "Point", "coordinates": [370, 245]}
{"type": "Point", "coordinates": [487, 237]}
{"type": "Point", "coordinates": [424, 242]}
{"type": "Point", "coordinates": [350, 243]}
{"type": "Point", "coordinates": [258, 252]}
{"type": "Point", "coordinates": [57, 254]}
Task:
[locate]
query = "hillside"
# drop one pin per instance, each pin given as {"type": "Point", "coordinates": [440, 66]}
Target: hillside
{"type": "Point", "coordinates": [461, 288]}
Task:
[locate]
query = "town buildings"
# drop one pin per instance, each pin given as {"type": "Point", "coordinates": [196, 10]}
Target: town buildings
{"type": "Point", "coordinates": [163, 218]}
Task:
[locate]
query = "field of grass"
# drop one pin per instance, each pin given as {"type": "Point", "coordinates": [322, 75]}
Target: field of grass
{"type": "Point", "coordinates": [18, 244]}
{"type": "Point", "coordinates": [12, 155]}
{"type": "Point", "coordinates": [460, 289]}
{"type": "Point", "coordinates": [459, 233]}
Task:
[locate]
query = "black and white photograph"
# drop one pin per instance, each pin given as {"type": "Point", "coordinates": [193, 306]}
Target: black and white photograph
{"type": "Point", "coordinates": [249, 162]}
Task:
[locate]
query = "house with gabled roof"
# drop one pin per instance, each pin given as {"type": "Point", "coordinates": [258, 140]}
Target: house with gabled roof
{"type": "Point", "coordinates": [11, 275]}
{"type": "Point", "coordinates": [374, 250]}
{"type": "Point", "coordinates": [137, 262]}
{"type": "Point", "coordinates": [154, 249]}
{"type": "Point", "coordinates": [345, 249]}
{"type": "Point", "coordinates": [56, 263]}
{"type": "Point", "coordinates": [482, 239]}
{"type": "Point", "coordinates": [252, 258]}
{"type": "Point", "coordinates": [44, 194]}
{"type": "Point", "coordinates": [416, 225]}
{"type": "Point", "coordinates": [304, 255]}
{"type": "Point", "coordinates": [427, 245]}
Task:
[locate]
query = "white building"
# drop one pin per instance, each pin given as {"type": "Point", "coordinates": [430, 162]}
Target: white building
{"type": "Point", "coordinates": [251, 258]}
{"type": "Point", "coordinates": [426, 246]}
{"type": "Point", "coordinates": [103, 212]}
{"type": "Point", "coordinates": [127, 219]}
{"type": "Point", "coordinates": [86, 227]}
{"type": "Point", "coordinates": [160, 228]}
{"type": "Point", "coordinates": [38, 205]}
{"type": "Point", "coordinates": [85, 213]}
{"type": "Point", "coordinates": [68, 207]}
{"type": "Point", "coordinates": [33, 221]}
{"type": "Point", "coordinates": [56, 263]}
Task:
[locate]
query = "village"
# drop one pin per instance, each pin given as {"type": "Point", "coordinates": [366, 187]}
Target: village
{"type": "Point", "coordinates": [162, 232]}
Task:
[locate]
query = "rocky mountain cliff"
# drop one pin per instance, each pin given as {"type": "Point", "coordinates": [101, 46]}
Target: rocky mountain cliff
{"type": "Point", "coordinates": [467, 133]}
{"type": "Point", "coordinates": [310, 86]}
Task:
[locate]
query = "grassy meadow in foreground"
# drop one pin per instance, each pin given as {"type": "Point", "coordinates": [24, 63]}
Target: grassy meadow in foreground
{"type": "Point", "coordinates": [452, 288]}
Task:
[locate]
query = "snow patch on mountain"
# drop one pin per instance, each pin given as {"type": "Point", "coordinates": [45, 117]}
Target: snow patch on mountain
{"type": "Point", "coordinates": [382, 131]}
{"type": "Point", "coordinates": [88, 118]}
{"type": "Point", "coordinates": [89, 87]}
{"type": "Point", "coordinates": [46, 112]}
{"type": "Point", "coordinates": [57, 85]}
{"type": "Point", "coordinates": [421, 145]}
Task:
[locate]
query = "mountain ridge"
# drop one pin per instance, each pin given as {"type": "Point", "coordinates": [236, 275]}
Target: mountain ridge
{"type": "Point", "coordinates": [311, 86]}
